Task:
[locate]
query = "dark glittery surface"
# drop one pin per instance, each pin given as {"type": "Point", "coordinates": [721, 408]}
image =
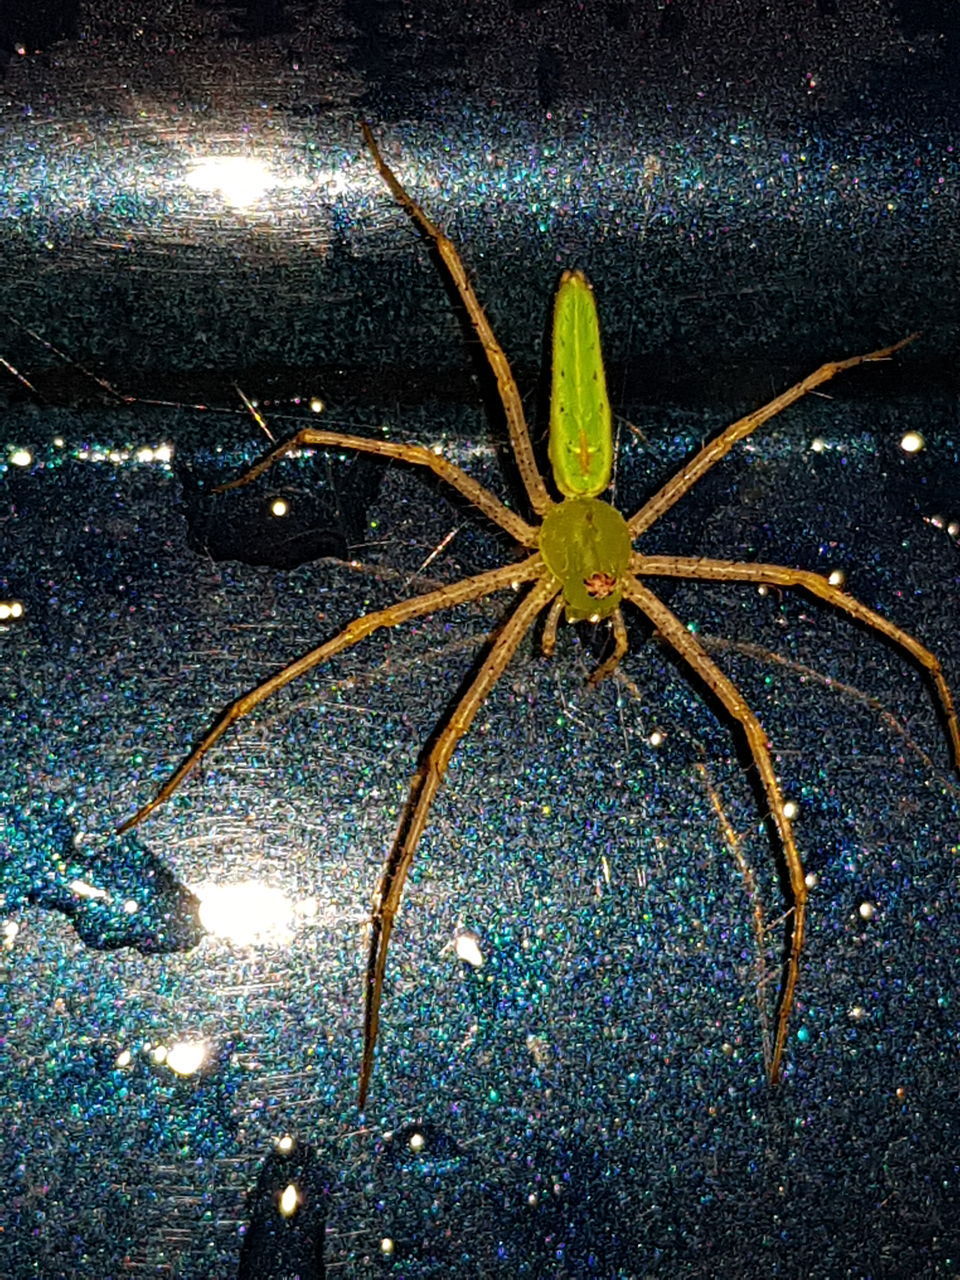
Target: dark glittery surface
{"type": "Point", "coordinates": [181, 1022]}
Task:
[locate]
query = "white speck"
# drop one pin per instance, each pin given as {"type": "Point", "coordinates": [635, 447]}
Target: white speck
{"type": "Point", "coordinates": [467, 946]}
{"type": "Point", "coordinates": [867, 910]}
{"type": "Point", "coordinates": [84, 890]}
{"type": "Point", "coordinates": [289, 1200]}
{"type": "Point", "coordinates": [186, 1057]}
{"type": "Point", "coordinates": [912, 442]}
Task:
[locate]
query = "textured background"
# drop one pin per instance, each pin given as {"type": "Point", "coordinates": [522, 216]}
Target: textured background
{"type": "Point", "coordinates": [752, 188]}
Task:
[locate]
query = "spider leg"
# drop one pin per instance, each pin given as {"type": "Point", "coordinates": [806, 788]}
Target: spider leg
{"type": "Point", "coordinates": [414, 454]}
{"type": "Point", "coordinates": [482, 584]}
{"type": "Point", "coordinates": [423, 790]}
{"type": "Point", "coordinates": [675, 633]}
{"type": "Point", "coordinates": [549, 640]}
{"type": "Point", "coordinates": [714, 450]}
{"type": "Point", "coordinates": [540, 500]}
{"type": "Point", "coordinates": [816, 585]}
{"type": "Point", "coordinates": [620, 644]}
{"type": "Point", "coordinates": [619, 649]}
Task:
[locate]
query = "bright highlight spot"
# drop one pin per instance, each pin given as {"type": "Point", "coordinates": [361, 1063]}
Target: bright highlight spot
{"type": "Point", "coordinates": [246, 913]}
{"type": "Point", "coordinates": [10, 610]}
{"type": "Point", "coordinates": [239, 180]}
{"type": "Point", "coordinates": [279, 507]}
{"type": "Point", "coordinates": [84, 890]}
{"type": "Point", "coordinates": [912, 442]}
{"type": "Point", "coordinates": [21, 458]}
{"type": "Point", "coordinates": [153, 453]}
{"type": "Point", "coordinates": [289, 1200]}
{"type": "Point", "coordinates": [186, 1057]}
{"type": "Point", "coordinates": [467, 946]}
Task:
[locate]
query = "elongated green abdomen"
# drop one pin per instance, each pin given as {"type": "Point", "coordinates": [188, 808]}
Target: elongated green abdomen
{"type": "Point", "coordinates": [581, 440]}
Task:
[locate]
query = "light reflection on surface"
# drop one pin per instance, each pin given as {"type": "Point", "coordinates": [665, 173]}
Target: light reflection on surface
{"type": "Point", "coordinates": [250, 912]}
{"type": "Point", "coordinates": [239, 180]}
{"type": "Point", "coordinates": [289, 1200]}
{"type": "Point", "coordinates": [183, 1057]}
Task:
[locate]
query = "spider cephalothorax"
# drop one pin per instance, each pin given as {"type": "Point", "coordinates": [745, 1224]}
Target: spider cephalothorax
{"type": "Point", "coordinates": [580, 563]}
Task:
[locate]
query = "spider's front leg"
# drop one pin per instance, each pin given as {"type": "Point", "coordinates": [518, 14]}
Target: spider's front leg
{"type": "Point", "coordinates": [414, 455]}
{"type": "Point", "coordinates": [718, 448]}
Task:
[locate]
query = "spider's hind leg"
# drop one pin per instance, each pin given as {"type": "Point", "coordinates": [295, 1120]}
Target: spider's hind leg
{"type": "Point", "coordinates": [689, 649]}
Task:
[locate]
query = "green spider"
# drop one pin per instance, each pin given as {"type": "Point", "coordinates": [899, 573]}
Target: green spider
{"type": "Point", "coordinates": [579, 562]}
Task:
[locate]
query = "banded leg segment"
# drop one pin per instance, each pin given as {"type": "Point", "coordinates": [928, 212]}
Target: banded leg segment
{"type": "Point", "coordinates": [815, 584]}
{"type": "Point", "coordinates": [413, 454]}
{"type": "Point", "coordinates": [423, 791]}
{"type": "Point", "coordinates": [680, 639]}
{"type": "Point", "coordinates": [540, 500]}
{"type": "Point", "coordinates": [714, 450]}
{"type": "Point", "coordinates": [482, 584]}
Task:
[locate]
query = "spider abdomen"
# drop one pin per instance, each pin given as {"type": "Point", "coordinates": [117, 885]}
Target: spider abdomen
{"type": "Point", "coordinates": [585, 543]}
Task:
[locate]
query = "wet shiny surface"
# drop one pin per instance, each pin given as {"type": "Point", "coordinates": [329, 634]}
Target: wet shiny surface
{"type": "Point", "coordinates": [589, 1098]}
